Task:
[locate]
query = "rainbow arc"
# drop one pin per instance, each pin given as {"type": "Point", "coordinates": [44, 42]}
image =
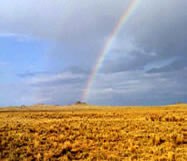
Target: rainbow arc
{"type": "Point", "coordinates": [105, 50]}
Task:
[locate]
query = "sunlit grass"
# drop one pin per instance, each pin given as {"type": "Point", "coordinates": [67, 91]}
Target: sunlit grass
{"type": "Point", "coordinates": [83, 132]}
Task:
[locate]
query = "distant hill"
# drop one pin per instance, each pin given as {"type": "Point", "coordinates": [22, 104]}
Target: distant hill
{"type": "Point", "coordinates": [82, 106]}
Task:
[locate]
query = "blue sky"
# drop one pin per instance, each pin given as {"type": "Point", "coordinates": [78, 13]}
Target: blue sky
{"type": "Point", "coordinates": [47, 52]}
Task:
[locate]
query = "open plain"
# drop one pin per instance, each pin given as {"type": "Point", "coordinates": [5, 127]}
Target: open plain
{"type": "Point", "coordinates": [85, 132]}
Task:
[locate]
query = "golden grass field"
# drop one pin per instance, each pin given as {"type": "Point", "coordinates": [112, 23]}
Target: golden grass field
{"type": "Point", "coordinates": [83, 132]}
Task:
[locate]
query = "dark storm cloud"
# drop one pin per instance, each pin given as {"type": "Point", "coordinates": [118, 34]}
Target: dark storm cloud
{"type": "Point", "coordinates": [158, 27]}
{"type": "Point", "coordinates": [162, 29]}
{"type": "Point", "coordinates": [136, 61]}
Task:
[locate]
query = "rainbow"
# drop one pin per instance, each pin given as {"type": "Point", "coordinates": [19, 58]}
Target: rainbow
{"type": "Point", "coordinates": [122, 21]}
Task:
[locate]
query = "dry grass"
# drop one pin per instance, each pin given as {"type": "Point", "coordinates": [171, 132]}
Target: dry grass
{"type": "Point", "coordinates": [94, 133]}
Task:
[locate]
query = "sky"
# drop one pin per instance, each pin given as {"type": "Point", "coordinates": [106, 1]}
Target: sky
{"type": "Point", "coordinates": [49, 49]}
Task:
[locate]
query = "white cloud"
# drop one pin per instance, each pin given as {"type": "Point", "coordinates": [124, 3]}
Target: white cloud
{"type": "Point", "coordinates": [45, 78]}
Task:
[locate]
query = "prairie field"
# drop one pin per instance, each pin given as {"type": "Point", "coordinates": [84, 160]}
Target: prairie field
{"type": "Point", "coordinates": [93, 133]}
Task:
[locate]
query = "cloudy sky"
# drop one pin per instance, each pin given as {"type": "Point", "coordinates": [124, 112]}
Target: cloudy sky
{"type": "Point", "coordinates": [48, 50]}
